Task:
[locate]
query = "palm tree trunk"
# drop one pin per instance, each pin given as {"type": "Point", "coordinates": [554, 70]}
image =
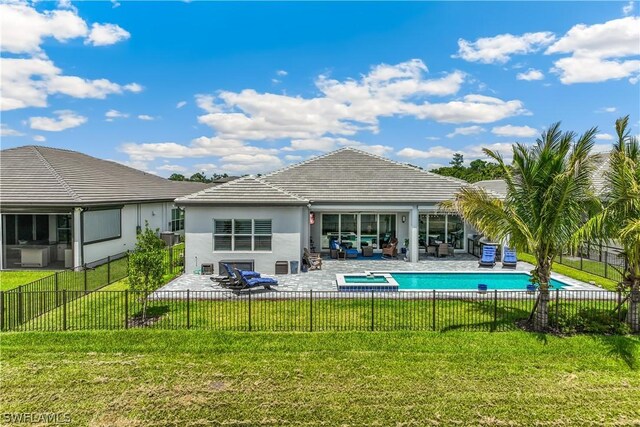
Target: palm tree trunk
{"type": "Point", "coordinates": [541, 319]}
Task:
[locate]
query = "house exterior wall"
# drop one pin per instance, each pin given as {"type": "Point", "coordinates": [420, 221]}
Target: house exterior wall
{"type": "Point", "coordinates": [288, 235]}
{"type": "Point", "coordinates": [133, 215]}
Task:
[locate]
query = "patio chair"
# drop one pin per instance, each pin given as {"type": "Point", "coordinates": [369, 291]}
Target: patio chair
{"type": "Point", "coordinates": [367, 251]}
{"type": "Point", "coordinates": [488, 256]}
{"type": "Point", "coordinates": [510, 259]}
{"type": "Point", "coordinates": [244, 282]}
{"type": "Point", "coordinates": [391, 249]}
{"type": "Point", "coordinates": [443, 249]}
{"type": "Point", "coordinates": [246, 273]}
{"type": "Point", "coordinates": [312, 260]}
{"type": "Point", "coordinates": [432, 250]}
{"type": "Point", "coordinates": [341, 247]}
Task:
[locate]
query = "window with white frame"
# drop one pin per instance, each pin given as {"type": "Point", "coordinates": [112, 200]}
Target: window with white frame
{"type": "Point", "coordinates": [243, 235]}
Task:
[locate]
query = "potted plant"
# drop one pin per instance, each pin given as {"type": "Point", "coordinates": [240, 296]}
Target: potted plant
{"type": "Point", "coordinates": [406, 245]}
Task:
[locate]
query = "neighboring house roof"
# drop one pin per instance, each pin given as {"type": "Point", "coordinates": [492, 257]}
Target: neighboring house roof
{"type": "Point", "coordinates": [43, 176]}
{"type": "Point", "coordinates": [496, 186]}
{"type": "Point", "coordinates": [343, 176]}
{"type": "Point", "coordinates": [244, 191]}
{"type": "Point", "coordinates": [599, 174]}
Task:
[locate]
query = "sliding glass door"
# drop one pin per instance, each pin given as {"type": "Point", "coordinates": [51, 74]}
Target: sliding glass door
{"type": "Point", "coordinates": [436, 228]}
{"type": "Point", "coordinates": [356, 229]}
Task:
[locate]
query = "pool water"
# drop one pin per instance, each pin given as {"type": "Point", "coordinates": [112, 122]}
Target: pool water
{"type": "Point", "coordinates": [466, 281]}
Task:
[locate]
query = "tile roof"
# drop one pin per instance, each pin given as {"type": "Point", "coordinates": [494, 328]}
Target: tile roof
{"type": "Point", "coordinates": [598, 178]}
{"type": "Point", "coordinates": [244, 191]}
{"type": "Point", "coordinates": [342, 176]}
{"type": "Point", "coordinates": [43, 176]}
{"type": "Point", "coordinates": [496, 186]}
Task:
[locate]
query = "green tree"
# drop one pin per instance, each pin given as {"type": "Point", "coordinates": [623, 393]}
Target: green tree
{"type": "Point", "coordinates": [457, 161]}
{"type": "Point", "coordinates": [619, 218]}
{"type": "Point", "coordinates": [548, 190]}
{"type": "Point", "coordinates": [477, 170]}
{"type": "Point", "coordinates": [199, 177]}
{"type": "Point", "coordinates": [177, 177]}
{"type": "Point", "coordinates": [146, 266]}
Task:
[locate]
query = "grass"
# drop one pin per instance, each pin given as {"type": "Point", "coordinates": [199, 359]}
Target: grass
{"type": "Point", "coordinates": [188, 378]}
{"type": "Point", "coordinates": [574, 273]}
{"type": "Point", "coordinates": [13, 279]}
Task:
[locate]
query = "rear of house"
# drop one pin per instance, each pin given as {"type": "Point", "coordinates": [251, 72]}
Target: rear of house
{"type": "Point", "coordinates": [63, 209]}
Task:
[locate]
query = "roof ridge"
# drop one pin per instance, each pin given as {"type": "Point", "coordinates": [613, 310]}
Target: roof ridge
{"type": "Point", "coordinates": [55, 173]}
{"type": "Point", "coordinates": [275, 187]}
{"type": "Point", "coordinates": [213, 187]}
{"type": "Point", "coordinates": [304, 162]}
{"type": "Point", "coordinates": [406, 165]}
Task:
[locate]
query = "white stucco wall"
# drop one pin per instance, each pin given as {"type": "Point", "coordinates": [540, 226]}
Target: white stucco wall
{"type": "Point", "coordinates": [288, 224]}
{"type": "Point", "coordinates": [132, 216]}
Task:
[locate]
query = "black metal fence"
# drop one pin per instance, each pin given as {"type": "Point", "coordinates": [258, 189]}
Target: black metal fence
{"type": "Point", "coordinates": [603, 261]}
{"type": "Point", "coordinates": [569, 311]}
{"type": "Point", "coordinates": [65, 286]}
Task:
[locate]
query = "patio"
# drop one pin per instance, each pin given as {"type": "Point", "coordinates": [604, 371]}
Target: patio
{"type": "Point", "coordinates": [325, 279]}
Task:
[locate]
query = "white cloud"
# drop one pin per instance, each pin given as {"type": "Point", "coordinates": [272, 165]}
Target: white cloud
{"type": "Point", "coordinates": [604, 137]}
{"type": "Point", "coordinates": [39, 138]}
{"type": "Point", "coordinates": [28, 82]}
{"type": "Point", "coordinates": [514, 131]}
{"type": "Point", "coordinates": [114, 4]}
{"type": "Point", "coordinates": [293, 158]}
{"type": "Point", "coordinates": [500, 48]}
{"type": "Point", "coordinates": [206, 102]}
{"type": "Point", "coordinates": [146, 117]}
{"type": "Point", "coordinates": [115, 114]}
{"type": "Point", "coordinates": [23, 28]}
{"type": "Point", "coordinates": [432, 138]}
{"type": "Point", "coordinates": [468, 130]}
{"type": "Point", "coordinates": [599, 52]}
{"type": "Point", "coordinates": [628, 8]}
{"type": "Point", "coordinates": [531, 74]}
{"type": "Point", "coordinates": [607, 110]}
{"type": "Point", "coordinates": [470, 152]}
{"type": "Point", "coordinates": [106, 34]}
{"type": "Point", "coordinates": [5, 130]}
{"type": "Point", "coordinates": [281, 73]}
{"type": "Point", "coordinates": [171, 168]}
{"type": "Point", "coordinates": [207, 168]}
{"type": "Point", "coordinates": [66, 119]}
{"type": "Point", "coordinates": [181, 104]}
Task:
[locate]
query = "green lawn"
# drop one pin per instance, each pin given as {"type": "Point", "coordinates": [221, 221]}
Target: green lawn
{"type": "Point", "coordinates": [188, 378]}
{"type": "Point", "coordinates": [575, 273]}
{"type": "Point", "coordinates": [13, 279]}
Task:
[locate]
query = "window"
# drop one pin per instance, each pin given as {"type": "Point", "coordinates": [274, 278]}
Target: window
{"type": "Point", "coordinates": [101, 225]}
{"type": "Point", "coordinates": [177, 220]}
{"type": "Point", "coordinates": [242, 235]}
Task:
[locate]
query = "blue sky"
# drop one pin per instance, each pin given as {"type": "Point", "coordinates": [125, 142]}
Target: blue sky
{"type": "Point", "coordinates": [251, 87]}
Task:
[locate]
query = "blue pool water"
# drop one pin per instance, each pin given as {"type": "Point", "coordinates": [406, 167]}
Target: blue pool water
{"type": "Point", "coordinates": [466, 281]}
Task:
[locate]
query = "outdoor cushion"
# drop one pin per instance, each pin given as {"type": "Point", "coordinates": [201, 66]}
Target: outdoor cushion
{"type": "Point", "coordinates": [261, 281]}
{"type": "Point", "coordinates": [510, 257]}
{"type": "Point", "coordinates": [488, 255]}
{"type": "Point", "coordinates": [245, 273]}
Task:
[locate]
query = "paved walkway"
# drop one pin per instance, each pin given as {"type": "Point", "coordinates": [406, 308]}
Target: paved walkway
{"type": "Point", "coordinates": [325, 279]}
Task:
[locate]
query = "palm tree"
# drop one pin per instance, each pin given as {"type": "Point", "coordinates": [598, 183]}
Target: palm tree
{"type": "Point", "coordinates": [548, 189]}
{"type": "Point", "coordinates": [619, 219]}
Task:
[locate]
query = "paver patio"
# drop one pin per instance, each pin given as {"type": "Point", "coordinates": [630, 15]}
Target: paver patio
{"type": "Point", "coordinates": [325, 279]}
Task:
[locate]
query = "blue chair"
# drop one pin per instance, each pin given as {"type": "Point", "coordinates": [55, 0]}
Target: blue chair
{"type": "Point", "coordinates": [245, 273]}
{"type": "Point", "coordinates": [488, 256]}
{"type": "Point", "coordinates": [244, 282]}
{"type": "Point", "coordinates": [350, 252]}
{"type": "Point", "coordinates": [510, 259]}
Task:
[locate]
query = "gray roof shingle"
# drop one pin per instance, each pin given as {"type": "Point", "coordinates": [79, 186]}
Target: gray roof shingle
{"type": "Point", "coordinates": [43, 176]}
{"type": "Point", "coordinates": [342, 176]}
{"type": "Point", "coordinates": [496, 186]}
{"type": "Point", "coordinates": [244, 191]}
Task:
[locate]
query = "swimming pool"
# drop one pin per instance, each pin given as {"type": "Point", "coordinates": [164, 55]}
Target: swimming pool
{"type": "Point", "coordinates": [445, 281]}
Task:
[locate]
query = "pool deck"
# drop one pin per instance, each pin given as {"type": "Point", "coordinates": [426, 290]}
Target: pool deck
{"type": "Point", "coordinates": [325, 279]}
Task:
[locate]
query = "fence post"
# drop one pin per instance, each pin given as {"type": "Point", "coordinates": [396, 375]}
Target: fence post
{"type": "Point", "coordinates": [495, 309]}
{"type": "Point", "coordinates": [311, 310]}
{"type": "Point", "coordinates": [170, 260]}
{"type": "Point", "coordinates": [249, 301]}
{"type": "Point", "coordinates": [64, 309]}
{"type": "Point", "coordinates": [557, 305]}
{"type": "Point", "coordinates": [85, 279]}
{"type": "Point", "coordinates": [433, 324]}
{"type": "Point", "coordinates": [1, 310]}
{"type": "Point", "coordinates": [109, 270]}
{"type": "Point", "coordinates": [188, 310]}
{"type": "Point", "coordinates": [126, 308]}
{"type": "Point", "coordinates": [619, 305]}
{"type": "Point", "coordinates": [57, 289]}
{"type": "Point", "coordinates": [372, 314]}
{"type": "Point", "coordinates": [20, 308]}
